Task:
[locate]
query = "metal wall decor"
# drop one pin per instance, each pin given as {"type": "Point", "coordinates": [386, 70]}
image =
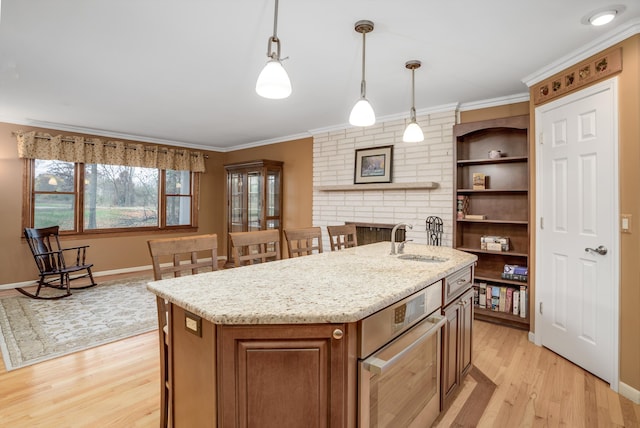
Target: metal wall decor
{"type": "Point", "coordinates": [582, 75]}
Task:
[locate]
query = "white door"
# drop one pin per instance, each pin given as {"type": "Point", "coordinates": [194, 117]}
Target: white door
{"type": "Point", "coordinates": [577, 242]}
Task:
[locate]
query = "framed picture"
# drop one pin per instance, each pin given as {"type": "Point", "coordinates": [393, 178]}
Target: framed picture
{"type": "Point", "coordinates": [373, 165]}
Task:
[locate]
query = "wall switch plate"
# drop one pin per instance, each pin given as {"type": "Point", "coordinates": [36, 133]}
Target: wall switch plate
{"type": "Point", "coordinates": [625, 223]}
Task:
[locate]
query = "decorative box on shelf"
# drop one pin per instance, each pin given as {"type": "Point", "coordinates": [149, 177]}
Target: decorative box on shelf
{"type": "Point", "coordinates": [479, 181]}
{"type": "Point", "coordinates": [494, 243]}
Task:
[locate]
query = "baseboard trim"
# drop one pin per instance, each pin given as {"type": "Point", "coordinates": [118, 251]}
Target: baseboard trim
{"type": "Point", "coordinates": [629, 392]}
{"type": "Point", "coordinates": [95, 274]}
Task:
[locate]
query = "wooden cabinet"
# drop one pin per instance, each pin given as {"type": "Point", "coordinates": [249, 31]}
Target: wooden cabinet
{"type": "Point", "coordinates": [284, 376]}
{"type": "Point", "coordinates": [500, 209]}
{"type": "Point", "coordinates": [456, 345]}
{"type": "Point", "coordinates": [254, 197]}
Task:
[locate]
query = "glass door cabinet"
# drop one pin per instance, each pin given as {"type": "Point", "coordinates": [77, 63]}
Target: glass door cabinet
{"type": "Point", "coordinates": [254, 197]}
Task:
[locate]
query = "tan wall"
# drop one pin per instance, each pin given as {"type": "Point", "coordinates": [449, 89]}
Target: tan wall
{"type": "Point", "coordinates": [497, 112]}
{"type": "Point", "coordinates": [106, 252]}
{"type": "Point", "coordinates": [629, 177]}
{"type": "Point", "coordinates": [297, 156]}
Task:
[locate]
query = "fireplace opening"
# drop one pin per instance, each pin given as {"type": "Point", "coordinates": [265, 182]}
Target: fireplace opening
{"type": "Point", "coordinates": [368, 233]}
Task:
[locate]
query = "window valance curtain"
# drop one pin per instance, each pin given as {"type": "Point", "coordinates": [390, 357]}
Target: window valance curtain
{"type": "Point", "coordinates": [33, 145]}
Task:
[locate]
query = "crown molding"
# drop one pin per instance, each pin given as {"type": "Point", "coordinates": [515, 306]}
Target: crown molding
{"type": "Point", "coordinates": [603, 42]}
{"type": "Point", "coordinates": [389, 118]}
{"type": "Point", "coordinates": [269, 141]}
{"type": "Point", "coordinates": [494, 102]}
{"type": "Point", "coordinates": [144, 139]}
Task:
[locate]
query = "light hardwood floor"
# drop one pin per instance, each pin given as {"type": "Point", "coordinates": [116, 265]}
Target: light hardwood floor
{"type": "Point", "coordinates": [117, 385]}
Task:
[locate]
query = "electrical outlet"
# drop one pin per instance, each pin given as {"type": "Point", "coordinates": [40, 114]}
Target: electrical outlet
{"type": "Point", "coordinates": [625, 223]}
{"type": "Point", "coordinates": [193, 323]}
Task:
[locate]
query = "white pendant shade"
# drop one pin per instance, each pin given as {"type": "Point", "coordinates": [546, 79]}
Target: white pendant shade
{"type": "Point", "coordinates": [362, 114]}
{"type": "Point", "coordinates": [273, 81]}
{"type": "Point", "coordinates": [413, 133]}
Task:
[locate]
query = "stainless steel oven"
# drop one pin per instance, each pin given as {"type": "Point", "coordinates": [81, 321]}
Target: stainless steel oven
{"type": "Point", "coordinates": [399, 363]}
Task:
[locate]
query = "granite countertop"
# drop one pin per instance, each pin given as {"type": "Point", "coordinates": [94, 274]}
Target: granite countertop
{"type": "Point", "coordinates": [332, 287]}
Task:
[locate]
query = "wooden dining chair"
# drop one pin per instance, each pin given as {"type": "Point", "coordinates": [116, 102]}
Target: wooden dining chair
{"type": "Point", "coordinates": [58, 266]}
{"type": "Point", "coordinates": [342, 237]}
{"type": "Point", "coordinates": [258, 246]}
{"type": "Point", "coordinates": [303, 241]}
{"type": "Point", "coordinates": [172, 258]}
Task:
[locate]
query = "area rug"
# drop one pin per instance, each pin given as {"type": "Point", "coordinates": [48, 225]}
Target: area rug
{"type": "Point", "coordinates": [32, 330]}
{"type": "Point", "coordinates": [476, 403]}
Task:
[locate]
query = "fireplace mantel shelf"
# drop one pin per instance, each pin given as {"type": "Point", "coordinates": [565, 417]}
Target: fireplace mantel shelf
{"type": "Point", "coordinates": [378, 186]}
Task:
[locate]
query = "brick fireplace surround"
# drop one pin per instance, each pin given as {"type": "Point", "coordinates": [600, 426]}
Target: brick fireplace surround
{"type": "Point", "coordinates": [428, 161]}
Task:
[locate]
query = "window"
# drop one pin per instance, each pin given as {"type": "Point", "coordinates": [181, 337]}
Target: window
{"type": "Point", "coordinates": [96, 197]}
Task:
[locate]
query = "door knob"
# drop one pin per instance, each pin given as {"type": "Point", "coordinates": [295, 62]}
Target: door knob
{"type": "Point", "coordinates": [602, 250]}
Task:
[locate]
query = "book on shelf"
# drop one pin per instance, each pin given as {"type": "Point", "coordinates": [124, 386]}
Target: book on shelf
{"type": "Point", "coordinates": [487, 303]}
{"type": "Point", "coordinates": [514, 277]}
{"type": "Point", "coordinates": [523, 301]}
{"type": "Point", "coordinates": [516, 302]}
{"type": "Point", "coordinates": [508, 306]}
{"type": "Point", "coordinates": [517, 269]}
{"type": "Point", "coordinates": [479, 181]}
{"type": "Point", "coordinates": [502, 305]}
{"type": "Point", "coordinates": [476, 295]}
{"type": "Point", "coordinates": [482, 294]}
{"type": "Point", "coordinates": [495, 298]}
{"type": "Point", "coordinates": [475, 216]}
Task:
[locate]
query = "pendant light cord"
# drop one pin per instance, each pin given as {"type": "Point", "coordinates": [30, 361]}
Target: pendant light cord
{"type": "Point", "coordinates": [413, 95]}
{"type": "Point", "coordinates": [275, 22]}
{"type": "Point", "coordinates": [363, 84]}
{"type": "Point", "coordinates": [274, 39]}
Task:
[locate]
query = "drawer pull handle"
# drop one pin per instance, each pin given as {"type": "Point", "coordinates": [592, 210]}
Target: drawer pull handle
{"type": "Point", "coordinates": [461, 281]}
{"type": "Point", "coordinates": [338, 334]}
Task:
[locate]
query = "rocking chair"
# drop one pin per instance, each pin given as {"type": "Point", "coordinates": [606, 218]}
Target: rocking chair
{"type": "Point", "coordinates": [55, 271]}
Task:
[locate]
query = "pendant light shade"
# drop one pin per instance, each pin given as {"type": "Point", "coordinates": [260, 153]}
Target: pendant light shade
{"type": "Point", "coordinates": [273, 82]}
{"type": "Point", "coordinates": [362, 113]}
{"type": "Point", "coordinates": [413, 132]}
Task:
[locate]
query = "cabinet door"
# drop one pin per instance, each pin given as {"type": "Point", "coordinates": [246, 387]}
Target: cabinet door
{"type": "Point", "coordinates": [466, 330]}
{"type": "Point", "coordinates": [450, 349]}
{"type": "Point", "coordinates": [282, 376]}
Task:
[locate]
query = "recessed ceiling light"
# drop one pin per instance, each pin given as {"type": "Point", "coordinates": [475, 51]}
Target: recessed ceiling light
{"type": "Point", "coordinates": [602, 16]}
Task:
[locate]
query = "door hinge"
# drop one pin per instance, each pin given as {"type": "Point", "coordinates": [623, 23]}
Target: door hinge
{"type": "Point", "coordinates": [541, 138]}
{"type": "Point", "coordinates": [540, 308]}
{"type": "Point", "coordinates": [541, 222]}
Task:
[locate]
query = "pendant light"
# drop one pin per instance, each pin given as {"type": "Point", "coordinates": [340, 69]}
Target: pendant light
{"type": "Point", "coordinates": [273, 82]}
{"type": "Point", "coordinates": [362, 113]}
{"type": "Point", "coordinates": [413, 132]}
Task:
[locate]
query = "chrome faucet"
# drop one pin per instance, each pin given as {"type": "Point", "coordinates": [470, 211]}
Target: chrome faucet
{"type": "Point", "coordinates": [393, 236]}
{"type": "Point", "coordinates": [401, 246]}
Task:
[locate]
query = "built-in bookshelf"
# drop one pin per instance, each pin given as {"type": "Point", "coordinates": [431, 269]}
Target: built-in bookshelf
{"type": "Point", "coordinates": [492, 201]}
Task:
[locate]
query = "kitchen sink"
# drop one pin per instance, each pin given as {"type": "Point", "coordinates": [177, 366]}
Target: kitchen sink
{"type": "Point", "coordinates": [422, 258]}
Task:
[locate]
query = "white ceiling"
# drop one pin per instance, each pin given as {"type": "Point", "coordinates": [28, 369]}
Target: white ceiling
{"type": "Point", "coordinates": [184, 71]}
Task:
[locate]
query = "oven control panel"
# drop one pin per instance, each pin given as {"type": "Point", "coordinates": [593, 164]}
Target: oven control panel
{"type": "Point", "coordinates": [390, 322]}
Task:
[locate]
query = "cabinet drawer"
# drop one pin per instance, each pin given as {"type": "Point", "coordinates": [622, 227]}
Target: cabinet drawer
{"type": "Point", "coordinates": [456, 283]}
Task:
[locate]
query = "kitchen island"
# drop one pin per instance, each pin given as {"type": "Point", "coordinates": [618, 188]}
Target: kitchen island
{"type": "Point", "coordinates": [278, 341]}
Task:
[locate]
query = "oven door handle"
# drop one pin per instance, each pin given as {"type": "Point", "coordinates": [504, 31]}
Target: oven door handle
{"type": "Point", "coordinates": [377, 365]}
